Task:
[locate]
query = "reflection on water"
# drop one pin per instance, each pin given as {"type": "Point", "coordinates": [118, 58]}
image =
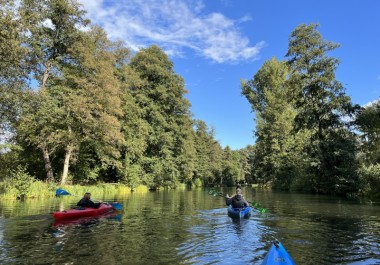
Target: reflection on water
{"type": "Point", "coordinates": [220, 239]}
{"type": "Point", "coordinates": [192, 227]}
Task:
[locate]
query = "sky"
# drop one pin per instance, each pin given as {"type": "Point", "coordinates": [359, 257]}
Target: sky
{"type": "Point", "coordinates": [214, 44]}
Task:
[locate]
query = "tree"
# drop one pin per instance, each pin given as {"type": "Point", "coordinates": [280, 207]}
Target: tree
{"type": "Point", "coordinates": [271, 97]}
{"type": "Point", "coordinates": [14, 68]}
{"type": "Point", "coordinates": [368, 122]}
{"type": "Point", "coordinates": [78, 98]}
{"type": "Point", "coordinates": [209, 154]}
{"type": "Point", "coordinates": [164, 118]}
{"type": "Point", "coordinates": [247, 155]}
{"type": "Point", "coordinates": [232, 172]}
{"type": "Point", "coordinates": [37, 126]}
{"type": "Point", "coordinates": [90, 96]}
{"type": "Point", "coordinates": [53, 28]}
{"type": "Point", "coordinates": [322, 107]}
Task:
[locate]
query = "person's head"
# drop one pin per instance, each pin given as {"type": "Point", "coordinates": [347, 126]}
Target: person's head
{"type": "Point", "coordinates": [87, 195]}
{"type": "Point", "coordinates": [238, 191]}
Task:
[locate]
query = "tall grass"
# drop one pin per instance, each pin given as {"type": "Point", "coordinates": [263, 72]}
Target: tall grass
{"type": "Point", "coordinates": [40, 189]}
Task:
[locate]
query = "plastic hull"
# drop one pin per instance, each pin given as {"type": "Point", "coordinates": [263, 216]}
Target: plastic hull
{"type": "Point", "coordinates": [277, 255]}
{"type": "Point", "coordinates": [86, 212]}
{"type": "Point", "coordinates": [239, 212]}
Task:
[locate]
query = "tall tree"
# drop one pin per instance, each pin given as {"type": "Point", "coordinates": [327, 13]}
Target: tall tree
{"type": "Point", "coordinates": [159, 93]}
{"type": "Point", "coordinates": [322, 107]}
{"type": "Point", "coordinates": [53, 28]}
{"type": "Point", "coordinates": [276, 153]}
{"type": "Point", "coordinates": [209, 154]}
{"type": "Point", "coordinates": [78, 88]}
{"type": "Point", "coordinates": [247, 155]}
{"type": "Point", "coordinates": [232, 171]}
{"type": "Point", "coordinates": [90, 96]}
{"type": "Point", "coordinates": [14, 68]}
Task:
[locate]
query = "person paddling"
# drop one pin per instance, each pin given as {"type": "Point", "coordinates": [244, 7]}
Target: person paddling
{"type": "Point", "coordinates": [86, 202]}
{"type": "Point", "coordinates": [237, 201]}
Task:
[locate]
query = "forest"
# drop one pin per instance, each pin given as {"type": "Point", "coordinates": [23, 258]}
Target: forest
{"type": "Point", "coordinates": [79, 108]}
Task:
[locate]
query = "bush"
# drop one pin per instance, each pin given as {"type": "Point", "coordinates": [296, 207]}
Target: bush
{"type": "Point", "coordinates": [197, 182]}
{"type": "Point", "coordinates": [21, 181]}
{"type": "Point", "coordinates": [131, 176]}
{"type": "Point", "coordinates": [370, 181]}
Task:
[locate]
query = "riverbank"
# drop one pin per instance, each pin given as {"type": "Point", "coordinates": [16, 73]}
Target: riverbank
{"type": "Point", "coordinates": [40, 189]}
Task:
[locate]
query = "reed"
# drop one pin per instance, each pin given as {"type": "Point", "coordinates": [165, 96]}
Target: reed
{"type": "Point", "coordinates": [40, 189]}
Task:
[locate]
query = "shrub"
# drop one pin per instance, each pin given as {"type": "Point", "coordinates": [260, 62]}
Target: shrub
{"type": "Point", "coordinates": [21, 181]}
{"type": "Point", "coordinates": [370, 181]}
{"type": "Point", "coordinates": [197, 182]}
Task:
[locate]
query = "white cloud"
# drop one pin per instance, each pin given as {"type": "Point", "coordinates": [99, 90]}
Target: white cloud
{"type": "Point", "coordinates": [371, 103]}
{"type": "Point", "coordinates": [174, 25]}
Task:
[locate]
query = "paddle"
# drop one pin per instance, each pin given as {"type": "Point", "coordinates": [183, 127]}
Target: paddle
{"type": "Point", "coordinates": [61, 192]}
{"type": "Point", "coordinates": [254, 204]}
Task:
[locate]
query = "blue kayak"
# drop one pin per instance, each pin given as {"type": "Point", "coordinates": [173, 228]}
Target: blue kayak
{"type": "Point", "coordinates": [239, 212]}
{"type": "Point", "coordinates": [278, 255]}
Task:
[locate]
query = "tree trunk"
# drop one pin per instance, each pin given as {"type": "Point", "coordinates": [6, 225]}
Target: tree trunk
{"type": "Point", "coordinates": [66, 165]}
{"type": "Point", "coordinates": [46, 74]}
{"type": "Point", "coordinates": [48, 168]}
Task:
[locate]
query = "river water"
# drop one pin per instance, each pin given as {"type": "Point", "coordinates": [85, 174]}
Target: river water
{"type": "Point", "coordinates": [192, 227]}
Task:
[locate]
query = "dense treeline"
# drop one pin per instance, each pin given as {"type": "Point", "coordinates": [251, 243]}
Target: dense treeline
{"type": "Point", "coordinates": [310, 137]}
{"type": "Point", "coordinates": [76, 107]}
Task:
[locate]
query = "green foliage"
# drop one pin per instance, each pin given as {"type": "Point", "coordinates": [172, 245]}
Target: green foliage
{"type": "Point", "coordinates": [370, 177]}
{"type": "Point", "coordinates": [156, 123]}
{"type": "Point", "coordinates": [322, 108]}
{"type": "Point", "coordinates": [21, 181]}
{"type": "Point", "coordinates": [132, 177]}
{"type": "Point", "coordinates": [101, 114]}
{"type": "Point", "coordinates": [246, 158]}
{"type": "Point", "coordinates": [232, 169]}
{"type": "Point", "coordinates": [271, 99]}
{"type": "Point", "coordinates": [98, 113]}
{"type": "Point", "coordinates": [304, 141]}
{"type": "Point", "coordinates": [13, 66]}
{"type": "Point", "coordinates": [368, 122]}
{"type": "Point", "coordinates": [197, 182]}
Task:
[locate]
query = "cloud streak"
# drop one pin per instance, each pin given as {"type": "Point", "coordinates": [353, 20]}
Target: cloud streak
{"type": "Point", "coordinates": [371, 103]}
{"type": "Point", "coordinates": [174, 25]}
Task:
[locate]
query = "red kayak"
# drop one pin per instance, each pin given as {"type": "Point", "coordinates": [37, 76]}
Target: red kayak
{"type": "Point", "coordinates": [112, 215]}
{"type": "Point", "coordinates": [84, 212]}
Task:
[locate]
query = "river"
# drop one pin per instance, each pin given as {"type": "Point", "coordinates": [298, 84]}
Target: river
{"type": "Point", "coordinates": [192, 227]}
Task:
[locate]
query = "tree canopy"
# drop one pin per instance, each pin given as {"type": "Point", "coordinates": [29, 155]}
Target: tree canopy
{"type": "Point", "coordinates": [76, 107]}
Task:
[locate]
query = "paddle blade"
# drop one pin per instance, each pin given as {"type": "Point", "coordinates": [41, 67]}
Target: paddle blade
{"type": "Point", "coordinates": [117, 206]}
{"type": "Point", "coordinates": [61, 192]}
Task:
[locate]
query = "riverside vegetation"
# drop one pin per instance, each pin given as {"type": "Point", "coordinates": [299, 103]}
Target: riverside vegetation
{"type": "Point", "coordinates": [78, 108]}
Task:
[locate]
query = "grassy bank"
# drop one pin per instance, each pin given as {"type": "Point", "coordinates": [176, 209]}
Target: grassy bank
{"type": "Point", "coordinates": [39, 189]}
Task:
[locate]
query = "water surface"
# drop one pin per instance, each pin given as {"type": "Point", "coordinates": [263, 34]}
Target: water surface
{"type": "Point", "coordinates": [192, 227]}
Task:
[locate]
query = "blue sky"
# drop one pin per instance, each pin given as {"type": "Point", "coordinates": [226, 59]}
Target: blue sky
{"type": "Point", "coordinates": [216, 43]}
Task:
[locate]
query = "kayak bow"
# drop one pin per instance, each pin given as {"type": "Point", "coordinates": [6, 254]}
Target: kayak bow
{"type": "Point", "coordinates": [278, 255]}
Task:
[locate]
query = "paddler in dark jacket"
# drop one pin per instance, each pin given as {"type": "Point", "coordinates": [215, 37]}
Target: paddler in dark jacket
{"type": "Point", "coordinates": [237, 201]}
{"type": "Point", "coordinates": [86, 202]}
